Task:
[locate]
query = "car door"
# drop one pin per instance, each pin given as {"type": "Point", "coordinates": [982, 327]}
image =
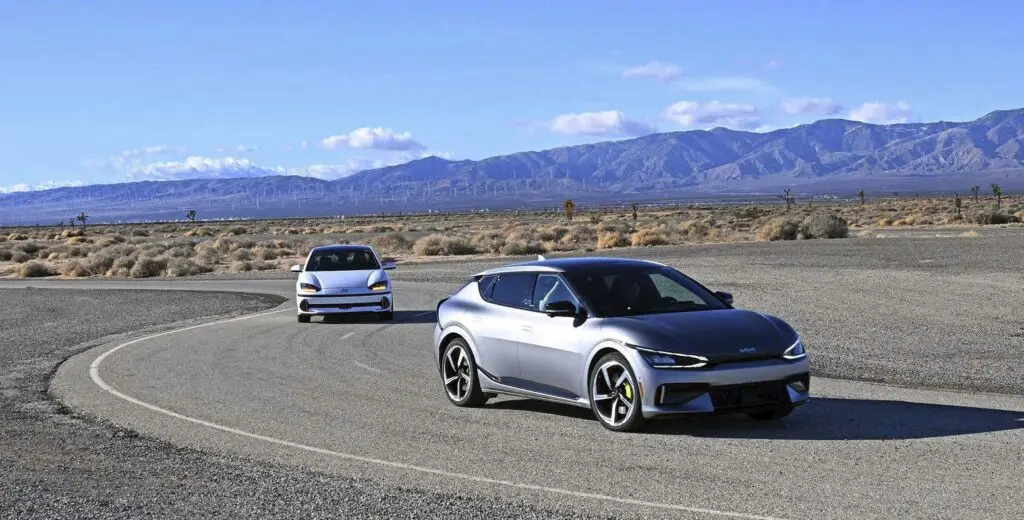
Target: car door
{"type": "Point", "coordinates": [498, 329]}
{"type": "Point", "coordinates": [550, 350]}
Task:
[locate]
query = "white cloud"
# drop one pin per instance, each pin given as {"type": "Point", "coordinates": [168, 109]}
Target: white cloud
{"type": "Point", "coordinates": [151, 150]}
{"type": "Point", "coordinates": [305, 144]}
{"type": "Point", "coordinates": [367, 138]}
{"type": "Point", "coordinates": [714, 114]}
{"type": "Point", "coordinates": [197, 168]}
{"type": "Point", "coordinates": [773, 64]}
{"type": "Point", "coordinates": [656, 70]}
{"type": "Point", "coordinates": [606, 123]}
{"type": "Point", "coordinates": [45, 185]}
{"type": "Point", "coordinates": [238, 149]}
{"type": "Point", "coordinates": [881, 113]}
{"type": "Point", "coordinates": [716, 84]}
{"type": "Point", "coordinates": [811, 106]}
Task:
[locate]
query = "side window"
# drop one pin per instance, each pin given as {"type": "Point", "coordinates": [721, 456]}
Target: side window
{"type": "Point", "coordinates": [514, 290]}
{"type": "Point", "coordinates": [550, 288]}
{"type": "Point", "coordinates": [485, 285]}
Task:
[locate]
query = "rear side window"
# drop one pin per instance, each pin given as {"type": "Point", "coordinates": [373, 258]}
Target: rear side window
{"type": "Point", "coordinates": [485, 285]}
{"type": "Point", "coordinates": [514, 290]}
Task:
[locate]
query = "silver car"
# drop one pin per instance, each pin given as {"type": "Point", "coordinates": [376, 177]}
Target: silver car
{"type": "Point", "coordinates": [343, 279]}
{"type": "Point", "coordinates": [629, 339]}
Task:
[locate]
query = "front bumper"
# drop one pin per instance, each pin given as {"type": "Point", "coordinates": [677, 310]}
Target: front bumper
{"type": "Point", "coordinates": [727, 388]}
{"type": "Point", "coordinates": [337, 304]}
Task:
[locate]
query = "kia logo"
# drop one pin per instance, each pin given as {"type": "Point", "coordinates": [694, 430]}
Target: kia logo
{"type": "Point", "coordinates": [748, 349]}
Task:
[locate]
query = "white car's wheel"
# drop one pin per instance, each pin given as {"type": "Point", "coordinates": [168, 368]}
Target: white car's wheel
{"type": "Point", "coordinates": [304, 318]}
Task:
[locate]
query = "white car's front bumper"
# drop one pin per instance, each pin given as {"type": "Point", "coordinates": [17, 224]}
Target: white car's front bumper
{"type": "Point", "coordinates": [336, 304]}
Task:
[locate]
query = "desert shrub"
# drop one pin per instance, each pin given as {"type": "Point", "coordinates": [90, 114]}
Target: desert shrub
{"type": "Point", "coordinates": [781, 228]}
{"type": "Point", "coordinates": [241, 255]}
{"type": "Point", "coordinates": [79, 241]}
{"type": "Point", "coordinates": [36, 269]}
{"type": "Point", "coordinates": [521, 247]}
{"type": "Point", "coordinates": [121, 267]}
{"type": "Point", "coordinates": [200, 232]}
{"type": "Point", "coordinates": [76, 269]}
{"type": "Point", "coordinates": [824, 225]}
{"type": "Point", "coordinates": [69, 233]}
{"type": "Point", "coordinates": [579, 236]}
{"type": "Point", "coordinates": [610, 239]}
{"type": "Point", "coordinates": [184, 267]}
{"type": "Point", "coordinates": [488, 241]}
{"type": "Point", "coordinates": [391, 242]}
{"type": "Point", "coordinates": [552, 234]}
{"type": "Point", "coordinates": [885, 222]}
{"type": "Point", "coordinates": [111, 240]}
{"type": "Point", "coordinates": [649, 237]}
{"type": "Point", "coordinates": [750, 212]}
{"type": "Point", "coordinates": [20, 257]}
{"type": "Point", "coordinates": [29, 248]}
{"type": "Point", "coordinates": [139, 232]}
{"type": "Point", "coordinates": [695, 229]}
{"type": "Point", "coordinates": [237, 231]}
{"type": "Point", "coordinates": [243, 267]}
{"type": "Point", "coordinates": [181, 251]}
{"type": "Point", "coordinates": [441, 245]}
{"type": "Point", "coordinates": [148, 267]}
{"type": "Point", "coordinates": [149, 251]}
{"type": "Point", "coordinates": [17, 236]}
{"type": "Point", "coordinates": [5, 255]}
{"type": "Point", "coordinates": [993, 217]}
{"type": "Point", "coordinates": [102, 262]}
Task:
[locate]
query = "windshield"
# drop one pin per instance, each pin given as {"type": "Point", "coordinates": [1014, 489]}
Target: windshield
{"type": "Point", "coordinates": [342, 260]}
{"type": "Point", "coordinates": [635, 290]}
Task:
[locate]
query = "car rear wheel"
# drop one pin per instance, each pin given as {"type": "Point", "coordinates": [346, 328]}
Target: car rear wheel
{"type": "Point", "coordinates": [458, 373]}
{"type": "Point", "coordinates": [771, 415]}
{"type": "Point", "coordinates": [304, 318]}
{"type": "Point", "coordinates": [614, 394]}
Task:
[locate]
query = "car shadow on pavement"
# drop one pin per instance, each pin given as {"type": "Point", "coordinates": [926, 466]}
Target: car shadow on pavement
{"type": "Point", "coordinates": [400, 318]}
{"type": "Point", "coordinates": [826, 418]}
{"type": "Point", "coordinates": [545, 407]}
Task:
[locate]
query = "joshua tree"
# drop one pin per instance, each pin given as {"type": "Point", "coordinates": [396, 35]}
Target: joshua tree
{"type": "Point", "coordinates": [62, 226]}
{"type": "Point", "coordinates": [787, 196]}
{"type": "Point", "coordinates": [71, 222]}
{"type": "Point", "coordinates": [956, 204]}
{"type": "Point", "coordinates": [974, 191]}
{"type": "Point", "coordinates": [896, 194]}
{"type": "Point", "coordinates": [635, 207]}
{"type": "Point", "coordinates": [861, 195]}
{"type": "Point", "coordinates": [82, 218]}
{"type": "Point", "coordinates": [997, 192]}
{"type": "Point", "coordinates": [570, 208]}
{"type": "Point", "coordinates": [191, 215]}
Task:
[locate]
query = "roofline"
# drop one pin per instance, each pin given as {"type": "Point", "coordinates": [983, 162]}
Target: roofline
{"type": "Point", "coordinates": [541, 267]}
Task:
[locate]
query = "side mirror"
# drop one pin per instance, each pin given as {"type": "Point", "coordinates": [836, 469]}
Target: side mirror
{"type": "Point", "coordinates": [563, 308]}
{"type": "Point", "coordinates": [725, 297]}
{"type": "Point", "coordinates": [388, 264]}
{"type": "Point", "coordinates": [296, 268]}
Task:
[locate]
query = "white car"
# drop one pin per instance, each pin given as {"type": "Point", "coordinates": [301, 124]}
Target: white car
{"type": "Point", "coordinates": [343, 279]}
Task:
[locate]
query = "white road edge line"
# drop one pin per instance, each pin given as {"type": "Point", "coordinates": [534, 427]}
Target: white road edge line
{"type": "Point", "coordinates": [94, 374]}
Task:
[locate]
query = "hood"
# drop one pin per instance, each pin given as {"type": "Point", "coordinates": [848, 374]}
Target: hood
{"type": "Point", "coordinates": [354, 281]}
{"type": "Point", "coordinates": [718, 335]}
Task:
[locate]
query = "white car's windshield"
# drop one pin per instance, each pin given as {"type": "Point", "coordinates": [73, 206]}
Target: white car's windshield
{"type": "Point", "coordinates": [342, 260]}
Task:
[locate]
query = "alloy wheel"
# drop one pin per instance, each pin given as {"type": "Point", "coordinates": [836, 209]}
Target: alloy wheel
{"type": "Point", "coordinates": [614, 393]}
{"type": "Point", "coordinates": [457, 373]}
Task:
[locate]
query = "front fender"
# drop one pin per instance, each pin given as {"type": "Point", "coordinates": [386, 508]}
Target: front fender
{"type": "Point", "coordinates": [603, 348]}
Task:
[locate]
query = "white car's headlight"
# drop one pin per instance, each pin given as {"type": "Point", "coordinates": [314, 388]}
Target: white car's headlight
{"type": "Point", "coordinates": [379, 286]}
{"type": "Point", "coordinates": [659, 359]}
{"type": "Point", "coordinates": [796, 351]}
{"type": "Point", "coordinates": [308, 288]}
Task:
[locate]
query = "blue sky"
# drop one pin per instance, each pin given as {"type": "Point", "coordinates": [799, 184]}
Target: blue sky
{"type": "Point", "coordinates": [109, 91]}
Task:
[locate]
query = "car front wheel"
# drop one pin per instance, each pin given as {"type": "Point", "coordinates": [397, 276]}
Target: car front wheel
{"type": "Point", "coordinates": [304, 318]}
{"type": "Point", "coordinates": [614, 395]}
{"type": "Point", "coordinates": [458, 373]}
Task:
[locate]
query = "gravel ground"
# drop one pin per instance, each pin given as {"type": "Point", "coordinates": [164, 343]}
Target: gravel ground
{"type": "Point", "coordinates": [71, 467]}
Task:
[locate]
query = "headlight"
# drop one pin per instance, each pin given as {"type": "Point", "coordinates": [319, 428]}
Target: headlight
{"type": "Point", "coordinates": [307, 288]}
{"type": "Point", "coordinates": [659, 359]}
{"type": "Point", "coordinates": [379, 286]}
{"type": "Point", "coordinates": [796, 351]}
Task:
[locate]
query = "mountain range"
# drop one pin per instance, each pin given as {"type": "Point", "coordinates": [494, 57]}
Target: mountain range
{"type": "Point", "coordinates": [827, 156]}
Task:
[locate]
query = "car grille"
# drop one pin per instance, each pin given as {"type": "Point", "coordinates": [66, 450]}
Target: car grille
{"type": "Point", "coordinates": [343, 305]}
{"type": "Point", "coordinates": [748, 395]}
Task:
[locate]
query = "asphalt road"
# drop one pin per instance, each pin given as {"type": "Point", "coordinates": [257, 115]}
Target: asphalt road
{"type": "Point", "coordinates": [361, 400]}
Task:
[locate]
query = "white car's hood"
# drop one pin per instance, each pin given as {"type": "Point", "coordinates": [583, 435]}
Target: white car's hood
{"type": "Point", "coordinates": [354, 281]}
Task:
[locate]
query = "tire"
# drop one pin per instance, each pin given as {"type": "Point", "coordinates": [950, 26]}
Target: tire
{"type": "Point", "coordinates": [771, 415]}
{"type": "Point", "coordinates": [612, 379]}
{"type": "Point", "coordinates": [458, 375]}
{"type": "Point", "coordinates": [386, 316]}
{"type": "Point", "coordinates": [304, 318]}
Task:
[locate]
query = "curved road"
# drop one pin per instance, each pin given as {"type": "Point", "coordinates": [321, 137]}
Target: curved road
{"type": "Point", "coordinates": [362, 399]}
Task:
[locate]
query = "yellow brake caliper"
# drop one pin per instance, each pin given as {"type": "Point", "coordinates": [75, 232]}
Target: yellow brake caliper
{"type": "Point", "coordinates": [628, 390]}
